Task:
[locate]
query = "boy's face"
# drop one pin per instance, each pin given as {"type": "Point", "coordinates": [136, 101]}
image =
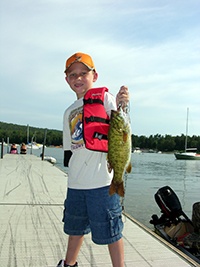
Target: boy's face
{"type": "Point", "coordinates": [80, 78]}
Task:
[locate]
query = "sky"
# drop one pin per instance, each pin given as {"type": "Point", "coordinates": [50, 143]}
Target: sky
{"type": "Point", "coordinates": [153, 47]}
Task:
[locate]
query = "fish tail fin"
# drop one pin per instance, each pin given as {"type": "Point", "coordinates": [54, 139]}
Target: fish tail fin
{"type": "Point", "coordinates": [117, 188]}
{"type": "Point", "coordinates": [120, 190]}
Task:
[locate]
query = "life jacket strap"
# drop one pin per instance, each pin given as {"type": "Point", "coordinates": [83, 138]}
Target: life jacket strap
{"type": "Point", "coordinates": [92, 101]}
{"type": "Point", "coordinates": [96, 119]}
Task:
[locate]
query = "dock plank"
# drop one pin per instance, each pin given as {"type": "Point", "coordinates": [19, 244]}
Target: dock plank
{"type": "Point", "coordinates": [32, 193]}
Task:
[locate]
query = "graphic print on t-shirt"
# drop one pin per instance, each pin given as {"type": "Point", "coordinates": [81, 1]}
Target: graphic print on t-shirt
{"type": "Point", "coordinates": [76, 128]}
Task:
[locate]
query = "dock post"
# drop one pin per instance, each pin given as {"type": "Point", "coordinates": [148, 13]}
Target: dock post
{"type": "Point", "coordinates": [2, 141]}
{"type": "Point", "coordinates": [8, 142]}
{"type": "Point", "coordinates": [43, 152]}
{"type": "Point", "coordinates": [45, 136]}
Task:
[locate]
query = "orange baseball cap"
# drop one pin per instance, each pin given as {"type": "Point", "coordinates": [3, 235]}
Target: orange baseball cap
{"type": "Point", "coordinates": [82, 58]}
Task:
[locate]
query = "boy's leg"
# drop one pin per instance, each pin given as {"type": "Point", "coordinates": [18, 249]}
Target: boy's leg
{"type": "Point", "coordinates": [116, 250]}
{"type": "Point", "coordinates": [105, 213]}
{"type": "Point", "coordinates": [74, 245]}
{"type": "Point", "coordinates": [76, 223]}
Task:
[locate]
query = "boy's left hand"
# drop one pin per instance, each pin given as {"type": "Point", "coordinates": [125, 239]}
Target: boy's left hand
{"type": "Point", "coordinates": [122, 97]}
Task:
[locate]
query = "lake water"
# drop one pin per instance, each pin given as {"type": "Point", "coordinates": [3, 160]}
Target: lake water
{"type": "Point", "coordinates": [150, 172]}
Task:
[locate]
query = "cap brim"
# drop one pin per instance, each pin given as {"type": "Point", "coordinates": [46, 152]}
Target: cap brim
{"type": "Point", "coordinates": [78, 62]}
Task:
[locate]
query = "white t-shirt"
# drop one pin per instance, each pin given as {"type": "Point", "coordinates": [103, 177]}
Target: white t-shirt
{"type": "Point", "coordinates": [87, 169]}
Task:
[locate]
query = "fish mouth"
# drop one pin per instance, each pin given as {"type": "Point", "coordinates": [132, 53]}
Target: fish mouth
{"type": "Point", "coordinates": [114, 112]}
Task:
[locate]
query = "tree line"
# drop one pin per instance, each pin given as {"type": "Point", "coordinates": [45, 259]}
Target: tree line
{"type": "Point", "coordinates": [18, 134]}
{"type": "Point", "coordinates": [167, 143]}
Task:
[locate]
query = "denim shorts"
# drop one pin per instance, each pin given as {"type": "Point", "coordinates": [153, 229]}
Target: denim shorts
{"type": "Point", "coordinates": [95, 211]}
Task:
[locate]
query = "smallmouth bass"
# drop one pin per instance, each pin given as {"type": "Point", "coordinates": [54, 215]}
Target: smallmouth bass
{"type": "Point", "coordinates": [119, 150]}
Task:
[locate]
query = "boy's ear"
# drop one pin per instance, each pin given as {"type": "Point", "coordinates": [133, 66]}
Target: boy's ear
{"type": "Point", "coordinates": [95, 77]}
{"type": "Point", "coordinates": [66, 79]}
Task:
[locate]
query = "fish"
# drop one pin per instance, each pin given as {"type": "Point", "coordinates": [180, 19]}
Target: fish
{"type": "Point", "coordinates": [119, 150]}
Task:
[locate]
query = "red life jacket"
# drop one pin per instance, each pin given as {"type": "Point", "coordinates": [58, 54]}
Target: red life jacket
{"type": "Point", "coordinates": [95, 120]}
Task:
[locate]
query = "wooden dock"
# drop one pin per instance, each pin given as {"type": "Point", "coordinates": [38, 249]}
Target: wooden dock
{"type": "Point", "coordinates": [32, 193]}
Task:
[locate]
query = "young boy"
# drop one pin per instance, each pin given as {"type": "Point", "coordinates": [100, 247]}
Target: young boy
{"type": "Point", "coordinates": [88, 206]}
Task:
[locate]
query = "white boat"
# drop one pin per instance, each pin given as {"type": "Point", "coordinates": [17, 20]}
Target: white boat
{"type": "Point", "coordinates": [137, 150]}
{"type": "Point", "coordinates": [34, 145]}
{"type": "Point", "coordinates": [4, 143]}
{"type": "Point", "coordinates": [189, 153]}
{"type": "Point", "coordinates": [50, 159]}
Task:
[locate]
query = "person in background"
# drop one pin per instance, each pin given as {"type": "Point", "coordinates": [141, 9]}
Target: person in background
{"type": "Point", "coordinates": [88, 206]}
{"type": "Point", "coordinates": [23, 149]}
{"type": "Point", "coordinates": [13, 149]}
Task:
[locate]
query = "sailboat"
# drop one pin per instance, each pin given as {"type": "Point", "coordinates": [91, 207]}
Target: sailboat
{"type": "Point", "coordinates": [32, 144]}
{"type": "Point", "coordinates": [190, 153]}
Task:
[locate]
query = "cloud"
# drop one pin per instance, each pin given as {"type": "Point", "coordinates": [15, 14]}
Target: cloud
{"type": "Point", "coordinates": [151, 46]}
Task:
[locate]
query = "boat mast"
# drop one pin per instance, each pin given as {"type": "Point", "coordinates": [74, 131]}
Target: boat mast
{"type": "Point", "coordinates": [186, 130]}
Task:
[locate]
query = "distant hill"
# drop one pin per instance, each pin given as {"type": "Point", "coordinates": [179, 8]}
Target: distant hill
{"type": "Point", "coordinates": [18, 134]}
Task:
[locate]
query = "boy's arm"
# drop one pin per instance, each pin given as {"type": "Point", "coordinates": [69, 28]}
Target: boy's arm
{"type": "Point", "coordinates": [66, 139]}
{"type": "Point", "coordinates": [67, 156]}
